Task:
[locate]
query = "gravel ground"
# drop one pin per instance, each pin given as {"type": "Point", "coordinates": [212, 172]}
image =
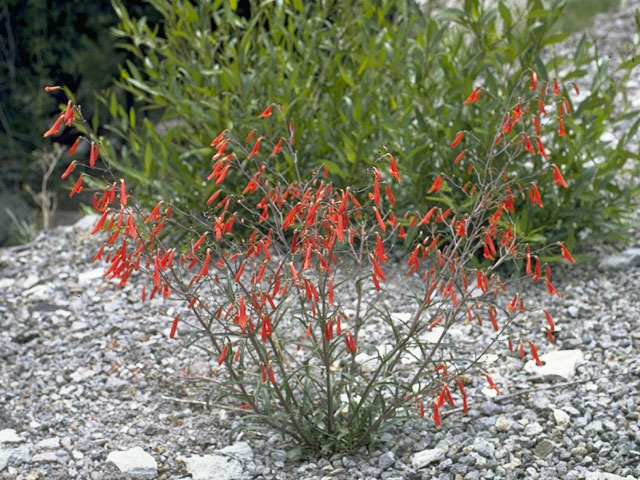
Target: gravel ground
{"type": "Point", "coordinates": [89, 379]}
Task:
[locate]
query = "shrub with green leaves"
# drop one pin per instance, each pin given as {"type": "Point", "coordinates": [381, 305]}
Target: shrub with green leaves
{"type": "Point", "coordinates": [364, 77]}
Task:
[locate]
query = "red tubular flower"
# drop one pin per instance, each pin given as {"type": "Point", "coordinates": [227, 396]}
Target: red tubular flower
{"type": "Point", "coordinates": [77, 187]}
{"type": "Point", "coordinates": [100, 222]}
{"type": "Point", "coordinates": [492, 385]}
{"type": "Point", "coordinates": [267, 112]}
{"type": "Point", "coordinates": [541, 149]}
{"type": "Point", "coordinates": [561, 130]}
{"type": "Point", "coordinates": [381, 224]}
{"type": "Point", "coordinates": [534, 81]}
{"type": "Point", "coordinates": [435, 323]}
{"type": "Point", "coordinates": [528, 266]}
{"type": "Point", "coordinates": [436, 186]}
{"type": "Point", "coordinates": [277, 148]}
{"type": "Point", "coordinates": [294, 273]}
{"type": "Point", "coordinates": [534, 196]}
{"type": "Point", "coordinates": [534, 354]}
{"type": "Point", "coordinates": [70, 168]}
{"type": "Point", "coordinates": [376, 284]}
{"type": "Point", "coordinates": [507, 124]}
{"type": "Point", "coordinates": [377, 268]}
{"type": "Point", "coordinates": [93, 154]}
{"type": "Point", "coordinates": [216, 141]}
{"type": "Point", "coordinates": [436, 415]}
{"type": "Point", "coordinates": [352, 341]}
{"type": "Point", "coordinates": [550, 336]}
{"type": "Point", "coordinates": [267, 329]}
{"type": "Point", "coordinates": [565, 253]}
{"type": "Point", "coordinates": [154, 213]}
{"type": "Point", "coordinates": [557, 176]}
{"type": "Point", "coordinates": [552, 327]}
{"type": "Point", "coordinates": [556, 88]}
{"type": "Point", "coordinates": [52, 88]}
{"type": "Point", "coordinates": [393, 168]}
{"type": "Point", "coordinates": [457, 140]}
{"type": "Point", "coordinates": [255, 149]}
{"type": "Point", "coordinates": [459, 157]}
{"type": "Point", "coordinates": [465, 407]}
{"type": "Point", "coordinates": [527, 145]}
{"type": "Point", "coordinates": [239, 272]}
{"type": "Point", "coordinates": [575, 87]}
{"type": "Point", "coordinates": [174, 327]}
{"type": "Point", "coordinates": [272, 377]}
{"type": "Point", "coordinates": [223, 354]}
{"type": "Point", "coordinates": [242, 313]}
{"type": "Point", "coordinates": [68, 114]}
{"type": "Point", "coordinates": [205, 266]}
{"type": "Point", "coordinates": [55, 128]}
{"type": "Point", "coordinates": [74, 147]}
{"type": "Point", "coordinates": [474, 96]}
{"type": "Point", "coordinates": [123, 193]}
{"type": "Point", "coordinates": [541, 108]}
{"type": "Point", "coordinates": [198, 243]}
{"type": "Point", "coordinates": [379, 251]}
{"type": "Point", "coordinates": [492, 316]}
{"type": "Point", "coordinates": [551, 288]}
{"type": "Point", "coordinates": [390, 196]}
{"type": "Point", "coordinates": [307, 257]}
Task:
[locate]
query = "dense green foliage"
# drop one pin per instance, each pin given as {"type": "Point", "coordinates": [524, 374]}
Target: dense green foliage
{"type": "Point", "coordinates": [354, 76]}
{"type": "Point", "coordinates": [66, 42]}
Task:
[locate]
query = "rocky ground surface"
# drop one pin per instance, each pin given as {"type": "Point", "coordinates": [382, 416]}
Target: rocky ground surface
{"type": "Point", "coordinates": [92, 387]}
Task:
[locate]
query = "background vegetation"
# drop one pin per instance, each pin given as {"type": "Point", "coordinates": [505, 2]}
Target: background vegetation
{"type": "Point", "coordinates": [355, 78]}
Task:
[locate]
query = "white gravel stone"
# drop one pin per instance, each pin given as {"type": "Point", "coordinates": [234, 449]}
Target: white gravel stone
{"type": "Point", "coordinates": [561, 417]}
{"type": "Point", "coordinates": [4, 457]}
{"type": "Point", "coordinates": [9, 435]}
{"type": "Point", "coordinates": [560, 364]}
{"type": "Point", "coordinates": [503, 424]}
{"type": "Point", "coordinates": [90, 275]}
{"type": "Point", "coordinates": [82, 374]}
{"type": "Point", "coordinates": [605, 476]}
{"type": "Point", "coordinates": [45, 457]}
{"type": "Point", "coordinates": [212, 467]}
{"type": "Point", "coordinates": [425, 457]}
{"type": "Point", "coordinates": [533, 429]}
{"type": "Point", "coordinates": [53, 442]}
{"type": "Point", "coordinates": [240, 451]}
{"type": "Point", "coordinates": [134, 462]}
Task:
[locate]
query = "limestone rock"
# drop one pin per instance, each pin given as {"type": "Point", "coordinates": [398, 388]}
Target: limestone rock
{"type": "Point", "coordinates": [603, 476]}
{"type": "Point", "coordinates": [134, 462]}
{"type": "Point", "coordinates": [560, 364]}
{"type": "Point", "coordinates": [212, 467]}
{"type": "Point", "coordinates": [425, 457]}
{"type": "Point", "coordinates": [9, 435]}
{"type": "Point", "coordinates": [241, 451]}
{"type": "Point", "coordinates": [561, 417]}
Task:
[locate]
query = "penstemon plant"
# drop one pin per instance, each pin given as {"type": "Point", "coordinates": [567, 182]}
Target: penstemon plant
{"type": "Point", "coordinates": [284, 283]}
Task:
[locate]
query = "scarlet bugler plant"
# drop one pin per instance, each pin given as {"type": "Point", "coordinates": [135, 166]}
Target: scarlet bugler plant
{"type": "Point", "coordinates": [288, 309]}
